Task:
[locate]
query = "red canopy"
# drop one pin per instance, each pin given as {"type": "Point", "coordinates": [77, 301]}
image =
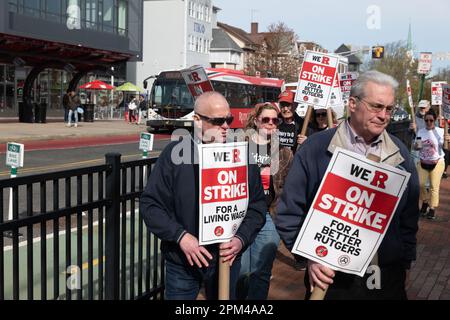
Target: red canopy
{"type": "Point", "coordinates": [96, 85]}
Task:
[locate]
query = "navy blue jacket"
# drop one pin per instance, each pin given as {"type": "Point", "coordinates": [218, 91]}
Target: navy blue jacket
{"type": "Point", "coordinates": [169, 203]}
{"type": "Point", "coordinates": [310, 163]}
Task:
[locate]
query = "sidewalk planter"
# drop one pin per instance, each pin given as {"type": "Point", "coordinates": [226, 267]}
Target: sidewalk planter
{"type": "Point", "coordinates": [25, 114]}
{"type": "Point", "coordinates": [88, 114]}
{"type": "Point", "coordinates": [40, 113]}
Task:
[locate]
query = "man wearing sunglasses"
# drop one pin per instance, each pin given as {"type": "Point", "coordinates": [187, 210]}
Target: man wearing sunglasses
{"type": "Point", "coordinates": [371, 104]}
{"type": "Point", "coordinates": [170, 208]}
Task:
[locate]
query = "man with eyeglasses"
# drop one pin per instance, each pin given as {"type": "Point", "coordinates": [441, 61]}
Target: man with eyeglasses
{"type": "Point", "coordinates": [170, 208]}
{"type": "Point", "coordinates": [371, 104]}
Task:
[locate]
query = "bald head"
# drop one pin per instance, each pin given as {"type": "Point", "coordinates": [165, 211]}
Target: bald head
{"type": "Point", "coordinates": [210, 107]}
{"type": "Point", "coordinates": [211, 103]}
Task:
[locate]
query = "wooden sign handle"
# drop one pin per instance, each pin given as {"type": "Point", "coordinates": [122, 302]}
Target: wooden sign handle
{"type": "Point", "coordinates": [318, 294]}
{"type": "Point", "coordinates": [306, 120]}
{"type": "Point", "coordinates": [330, 118]}
{"type": "Point", "coordinates": [413, 118]}
{"type": "Point", "coordinates": [224, 280]}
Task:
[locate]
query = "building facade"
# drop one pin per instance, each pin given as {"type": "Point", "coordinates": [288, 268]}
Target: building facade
{"type": "Point", "coordinates": [47, 46]}
{"type": "Point", "coordinates": [177, 34]}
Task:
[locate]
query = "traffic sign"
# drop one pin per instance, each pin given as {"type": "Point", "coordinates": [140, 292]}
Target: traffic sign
{"type": "Point", "coordinates": [146, 141]}
{"type": "Point", "coordinates": [14, 154]}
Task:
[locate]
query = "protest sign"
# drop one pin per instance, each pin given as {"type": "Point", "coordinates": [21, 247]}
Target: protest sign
{"type": "Point", "coordinates": [223, 190]}
{"type": "Point", "coordinates": [316, 79]}
{"type": "Point", "coordinates": [351, 212]}
{"type": "Point", "coordinates": [436, 92]}
{"type": "Point", "coordinates": [196, 80]}
{"type": "Point", "coordinates": [346, 81]}
{"type": "Point", "coordinates": [425, 62]}
{"type": "Point", "coordinates": [446, 101]}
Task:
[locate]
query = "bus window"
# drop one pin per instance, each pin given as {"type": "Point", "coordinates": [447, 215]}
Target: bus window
{"type": "Point", "coordinates": [271, 94]}
{"type": "Point", "coordinates": [220, 87]}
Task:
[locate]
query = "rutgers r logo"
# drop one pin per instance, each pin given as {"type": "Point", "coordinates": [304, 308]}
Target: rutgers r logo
{"type": "Point", "coordinates": [218, 231]}
{"type": "Point", "coordinates": [321, 251]}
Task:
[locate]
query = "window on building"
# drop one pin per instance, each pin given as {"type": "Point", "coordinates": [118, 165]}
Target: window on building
{"type": "Point", "coordinates": [196, 44]}
{"type": "Point", "coordinates": [108, 15]}
{"type": "Point", "coordinates": [200, 45]}
{"type": "Point", "coordinates": [199, 8]}
{"type": "Point", "coordinates": [91, 13]}
{"type": "Point", "coordinates": [207, 16]}
{"type": "Point", "coordinates": [53, 10]}
{"type": "Point", "coordinates": [32, 7]}
{"type": "Point", "coordinates": [122, 17]}
{"type": "Point", "coordinates": [191, 9]}
{"type": "Point", "coordinates": [200, 11]}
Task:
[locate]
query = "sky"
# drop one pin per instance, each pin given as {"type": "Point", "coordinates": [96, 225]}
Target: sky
{"type": "Point", "coordinates": [357, 22]}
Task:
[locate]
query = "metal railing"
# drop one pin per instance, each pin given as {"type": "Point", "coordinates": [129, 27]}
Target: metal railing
{"type": "Point", "coordinates": [94, 246]}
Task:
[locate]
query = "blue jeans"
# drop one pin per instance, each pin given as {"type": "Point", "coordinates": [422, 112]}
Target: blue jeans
{"type": "Point", "coordinates": [183, 282]}
{"type": "Point", "coordinates": [257, 262]}
{"type": "Point", "coordinates": [75, 114]}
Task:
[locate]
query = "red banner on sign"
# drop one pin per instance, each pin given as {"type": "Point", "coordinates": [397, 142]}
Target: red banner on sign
{"type": "Point", "coordinates": [354, 203]}
{"type": "Point", "coordinates": [224, 184]}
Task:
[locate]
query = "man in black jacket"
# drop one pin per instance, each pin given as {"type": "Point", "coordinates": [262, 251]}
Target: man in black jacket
{"type": "Point", "coordinates": [170, 208]}
{"type": "Point", "coordinates": [371, 104]}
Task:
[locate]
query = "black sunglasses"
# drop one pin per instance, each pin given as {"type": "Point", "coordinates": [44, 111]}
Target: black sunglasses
{"type": "Point", "coordinates": [266, 120]}
{"type": "Point", "coordinates": [429, 120]}
{"type": "Point", "coordinates": [321, 114]}
{"type": "Point", "coordinates": [217, 121]}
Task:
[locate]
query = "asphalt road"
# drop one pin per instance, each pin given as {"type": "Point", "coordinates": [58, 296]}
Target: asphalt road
{"type": "Point", "coordinates": [42, 161]}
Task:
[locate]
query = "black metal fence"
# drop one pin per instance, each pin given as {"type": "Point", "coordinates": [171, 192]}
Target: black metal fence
{"type": "Point", "coordinates": [78, 234]}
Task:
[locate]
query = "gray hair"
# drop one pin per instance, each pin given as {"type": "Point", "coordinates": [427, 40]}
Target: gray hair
{"type": "Point", "coordinates": [358, 87]}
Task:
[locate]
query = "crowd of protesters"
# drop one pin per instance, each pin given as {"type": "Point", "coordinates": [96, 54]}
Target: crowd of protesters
{"type": "Point", "coordinates": [280, 199]}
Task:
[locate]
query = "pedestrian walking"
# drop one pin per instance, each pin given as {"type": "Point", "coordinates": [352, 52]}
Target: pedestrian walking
{"type": "Point", "coordinates": [257, 260]}
{"type": "Point", "coordinates": [170, 208]}
{"type": "Point", "coordinates": [429, 142]}
{"type": "Point", "coordinates": [371, 104]}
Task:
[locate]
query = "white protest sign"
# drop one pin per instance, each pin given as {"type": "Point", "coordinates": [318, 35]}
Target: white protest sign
{"type": "Point", "coordinates": [197, 80]}
{"type": "Point", "coordinates": [436, 92]}
{"type": "Point", "coordinates": [223, 190]}
{"type": "Point", "coordinates": [146, 141]}
{"type": "Point", "coordinates": [301, 109]}
{"type": "Point", "coordinates": [316, 78]}
{"type": "Point", "coordinates": [446, 101]}
{"type": "Point", "coordinates": [336, 94]}
{"type": "Point", "coordinates": [351, 212]}
{"type": "Point", "coordinates": [409, 92]}
{"type": "Point", "coordinates": [346, 81]}
{"type": "Point", "coordinates": [14, 154]}
{"type": "Point", "coordinates": [425, 61]}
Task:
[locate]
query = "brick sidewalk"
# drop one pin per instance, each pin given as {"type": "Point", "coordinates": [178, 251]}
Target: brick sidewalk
{"type": "Point", "coordinates": [429, 276]}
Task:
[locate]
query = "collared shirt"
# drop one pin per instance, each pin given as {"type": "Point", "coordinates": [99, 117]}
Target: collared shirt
{"type": "Point", "coordinates": [357, 144]}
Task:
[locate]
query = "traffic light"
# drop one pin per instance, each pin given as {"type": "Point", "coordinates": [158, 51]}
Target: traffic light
{"type": "Point", "coordinates": [377, 52]}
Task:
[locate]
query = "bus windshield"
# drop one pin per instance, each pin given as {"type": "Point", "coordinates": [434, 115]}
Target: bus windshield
{"type": "Point", "coordinates": [171, 92]}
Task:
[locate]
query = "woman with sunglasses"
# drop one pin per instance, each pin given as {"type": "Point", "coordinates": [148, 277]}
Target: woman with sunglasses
{"type": "Point", "coordinates": [257, 260]}
{"type": "Point", "coordinates": [319, 122]}
{"type": "Point", "coordinates": [429, 142]}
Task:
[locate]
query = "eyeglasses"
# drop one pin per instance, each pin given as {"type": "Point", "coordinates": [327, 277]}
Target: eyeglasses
{"type": "Point", "coordinates": [429, 120]}
{"type": "Point", "coordinates": [217, 121]}
{"type": "Point", "coordinates": [321, 114]}
{"type": "Point", "coordinates": [266, 120]}
{"type": "Point", "coordinates": [376, 108]}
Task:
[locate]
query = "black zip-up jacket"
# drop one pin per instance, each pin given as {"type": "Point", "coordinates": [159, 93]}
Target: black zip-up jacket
{"type": "Point", "coordinates": [170, 208]}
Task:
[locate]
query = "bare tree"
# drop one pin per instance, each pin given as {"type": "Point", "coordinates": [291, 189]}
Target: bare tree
{"type": "Point", "coordinates": [277, 54]}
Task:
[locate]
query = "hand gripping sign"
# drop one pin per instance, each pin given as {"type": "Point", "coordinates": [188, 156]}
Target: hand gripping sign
{"type": "Point", "coordinates": [351, 212]}
{"type": "Point", "coordinates": [196, 80]}
{"type": "Point", "coordinates": [223, 190]}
